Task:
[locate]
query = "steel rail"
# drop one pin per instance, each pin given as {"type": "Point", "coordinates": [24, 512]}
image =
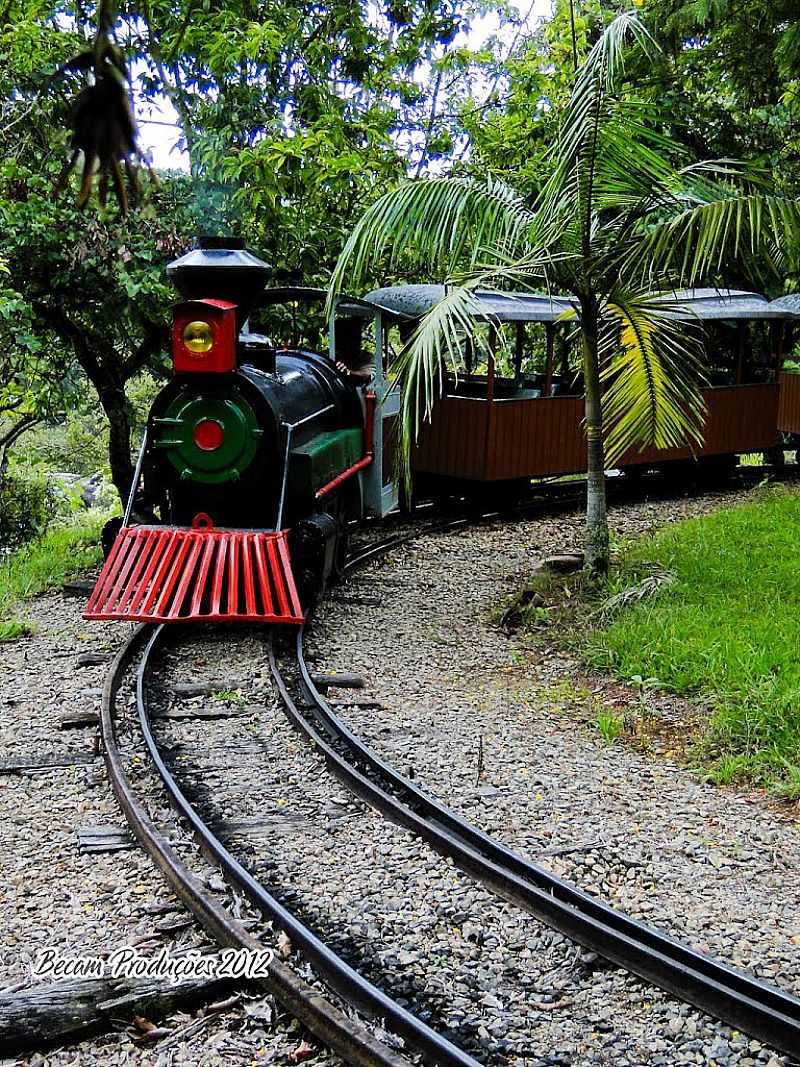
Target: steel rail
{"type": "Point", "coordinates": [352, 1041]}
{"type": "Point", "coordinates": [566, 499]}
{"type": "Point", "coordinates": [340, 976]}
{"type": "Point", "coordinates": [765, 1012]}
{"type": "Point", "coordinates": [559, 496]}
{"type": "Point", "coordinates": [549, 495]}
{"type": "Point", "coordinates": [347, 1037]}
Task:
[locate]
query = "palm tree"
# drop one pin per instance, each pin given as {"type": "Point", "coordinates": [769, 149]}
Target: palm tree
{"type": "Point", "coordinates": [615, 223]}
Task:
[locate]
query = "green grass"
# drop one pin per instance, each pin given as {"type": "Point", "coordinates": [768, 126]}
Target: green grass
{"type": "Point", "coordinates": [45, 563]}
{"type": "Point", "coordinates": [229, 696]}
{"type": "Point", "coordinates": [610, 726]}
{"type": "Point", "coordinates": [727, 629]}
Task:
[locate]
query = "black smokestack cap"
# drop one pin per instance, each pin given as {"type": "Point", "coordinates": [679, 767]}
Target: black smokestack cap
{"type": "Point", "coordinates": [220, 268]}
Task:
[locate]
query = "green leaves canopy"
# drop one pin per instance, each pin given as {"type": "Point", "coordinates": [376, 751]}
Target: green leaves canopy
{"type": "Point", "coordinates": [615, 220]}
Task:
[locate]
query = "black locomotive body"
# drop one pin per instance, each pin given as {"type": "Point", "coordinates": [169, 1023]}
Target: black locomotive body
{"type": "Point", "coordinates": [248, 475]}
{"type": "Point", "coordinates": [239, 483]}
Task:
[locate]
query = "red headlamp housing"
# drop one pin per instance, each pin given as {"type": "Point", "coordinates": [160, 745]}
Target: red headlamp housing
{"type": "Point", "coordinates": [204, 337]}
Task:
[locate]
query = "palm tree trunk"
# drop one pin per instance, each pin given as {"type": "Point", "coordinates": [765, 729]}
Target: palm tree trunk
{"type": "Point", "coordinates": [596, 529]}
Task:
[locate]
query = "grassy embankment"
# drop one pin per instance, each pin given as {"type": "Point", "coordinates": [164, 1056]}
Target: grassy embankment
{"type": "Point", "coordinates": [726, 629]}
{"type": "Point", "coordinates": [60, 553]}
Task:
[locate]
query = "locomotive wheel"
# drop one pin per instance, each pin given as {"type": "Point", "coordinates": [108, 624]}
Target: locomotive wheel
{"type": "Point", "coordinates": [715, 470]}
{"type": "Point", "coordinates": [308, 588]}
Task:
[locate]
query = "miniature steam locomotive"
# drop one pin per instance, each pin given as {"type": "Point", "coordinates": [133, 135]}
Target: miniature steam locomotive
{"type": "Point", "coordinates": [257, 457]}
{"type": "Point", "coordinates": [251, 463]}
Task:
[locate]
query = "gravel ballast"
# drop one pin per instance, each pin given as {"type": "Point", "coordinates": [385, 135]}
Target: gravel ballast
{"type": "Point", "coordinates": [487, 728]}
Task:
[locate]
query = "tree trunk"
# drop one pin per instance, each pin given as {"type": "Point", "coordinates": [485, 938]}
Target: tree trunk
{"type": "Point", "coordinates": [37, 1014]}
{"type": "Point", "coordinates": [596, 529]}
{"type": "Point", "coordinates": [115, 405]}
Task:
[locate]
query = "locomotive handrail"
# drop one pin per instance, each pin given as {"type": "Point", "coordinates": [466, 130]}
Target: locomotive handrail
{"type": "Point", "coordinates": [290, 427]}
{"type": "Point", "coordinates": [370, 400]}
{"type": "Point", "coordinates": [126, 518]}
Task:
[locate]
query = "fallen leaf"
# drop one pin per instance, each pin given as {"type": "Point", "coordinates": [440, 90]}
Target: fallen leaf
{"type": "Point", "coordinates": [284, 945]}
{"type": "Point", "coordinates": [301, 1052]}
{"type": "Point", "coordinates": [153, 1035]}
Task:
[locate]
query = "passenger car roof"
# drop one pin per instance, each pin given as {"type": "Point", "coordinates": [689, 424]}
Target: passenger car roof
{"type": "Point", "coordinates": [723, 304]}
{"type": "Point", "coordinates": [413, 301]}
{"type": "Point", "coordinates": [789, 303]}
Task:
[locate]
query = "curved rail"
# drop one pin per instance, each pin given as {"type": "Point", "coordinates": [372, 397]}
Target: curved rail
{"type": "Point", "coordinates": [340, 1033]}
{"type": "Point", "coordinates": [765, 1012]}
{"type": "Point", "coordinates": [343, 979]}
{"type": "Point", "coordinates": [737, 998]}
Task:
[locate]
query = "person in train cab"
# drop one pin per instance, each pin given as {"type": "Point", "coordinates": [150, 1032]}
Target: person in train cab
{"type": "Point", "coordinates": [355, 370]}
{"type": "Point", "coordinates": [351, 360]}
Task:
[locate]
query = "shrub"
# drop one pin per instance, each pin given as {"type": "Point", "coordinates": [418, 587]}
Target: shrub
{"type": "Point", "coordinates": [26, 507]}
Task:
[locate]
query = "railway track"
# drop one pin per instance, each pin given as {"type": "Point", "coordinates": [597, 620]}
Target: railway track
{"type": "Point", "coordinates": [739, 999]}
{"type": "Point", "coordinates": [732, 996]}
{"type": "Point", "coordinates": [329, 1023]}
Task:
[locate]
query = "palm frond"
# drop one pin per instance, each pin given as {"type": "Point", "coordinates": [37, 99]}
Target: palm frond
{"type": "Point", "coordinates": [606, 60]}
{"type": "Point", "coordinates": [653, 374]}
{"type": "Point", "coordinates": [698, 238]}
{"type": "Point", "coordinates": [436, 345]}
{"type": "Point", "coordinates": [437, 221]}
{"type": "Point", "coordinates": [579, 145]}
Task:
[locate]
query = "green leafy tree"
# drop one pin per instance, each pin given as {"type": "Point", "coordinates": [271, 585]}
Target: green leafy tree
{"type": "Point", "coordinates": [292, 115]}
{"type": "Point", "coordinates": [615, 220]}
{"type": "Point", "coordinates": [511, 132]}
{"type": "Point", "coordinates": [727, 76]}
{"type": "Point", "coordinates": [85, 293]}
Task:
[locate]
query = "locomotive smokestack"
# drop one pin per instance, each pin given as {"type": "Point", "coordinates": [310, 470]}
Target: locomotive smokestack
{"type": "Point", "coordinates": [220, 268]}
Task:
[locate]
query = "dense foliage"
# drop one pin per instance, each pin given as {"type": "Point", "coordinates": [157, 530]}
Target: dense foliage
{"type": "Point", "coordinates": [291, 117]}
{"type": "Point", "coordinates": [296, 117]}
{"type": "Point", "coordinates": [617, 218]}
{"type": "Point", "coordinates": [724, 81]}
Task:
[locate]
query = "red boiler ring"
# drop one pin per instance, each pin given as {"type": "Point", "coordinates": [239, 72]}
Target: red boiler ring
{"type": "Point", "coordinates": [208, 435]}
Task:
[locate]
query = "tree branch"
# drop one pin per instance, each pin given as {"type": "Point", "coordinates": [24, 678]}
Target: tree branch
{"type": "Point", "coordinates": [83, 341]}
{"type": "Point", "coordinates": [17, 430]}
{"type": "Point", "coordinates": [154, 339]}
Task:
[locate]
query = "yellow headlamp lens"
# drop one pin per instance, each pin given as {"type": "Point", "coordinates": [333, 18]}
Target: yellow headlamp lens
{"type": "Point", "coordinates": [198, 337]}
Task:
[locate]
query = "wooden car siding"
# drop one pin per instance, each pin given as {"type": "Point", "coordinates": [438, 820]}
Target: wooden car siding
{"type": "Point", "coordinates": [453, 443]}
{"type": "Point", "coordinates": [531, 438]}
{"type": "Point", "coordinates": [789, 403]}
{"type": "Point", "coordinates": [741, 418]}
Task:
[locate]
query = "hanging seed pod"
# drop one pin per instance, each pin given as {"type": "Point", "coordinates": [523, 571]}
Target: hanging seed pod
{"type": "Point", "coordinates": [103, 128]}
